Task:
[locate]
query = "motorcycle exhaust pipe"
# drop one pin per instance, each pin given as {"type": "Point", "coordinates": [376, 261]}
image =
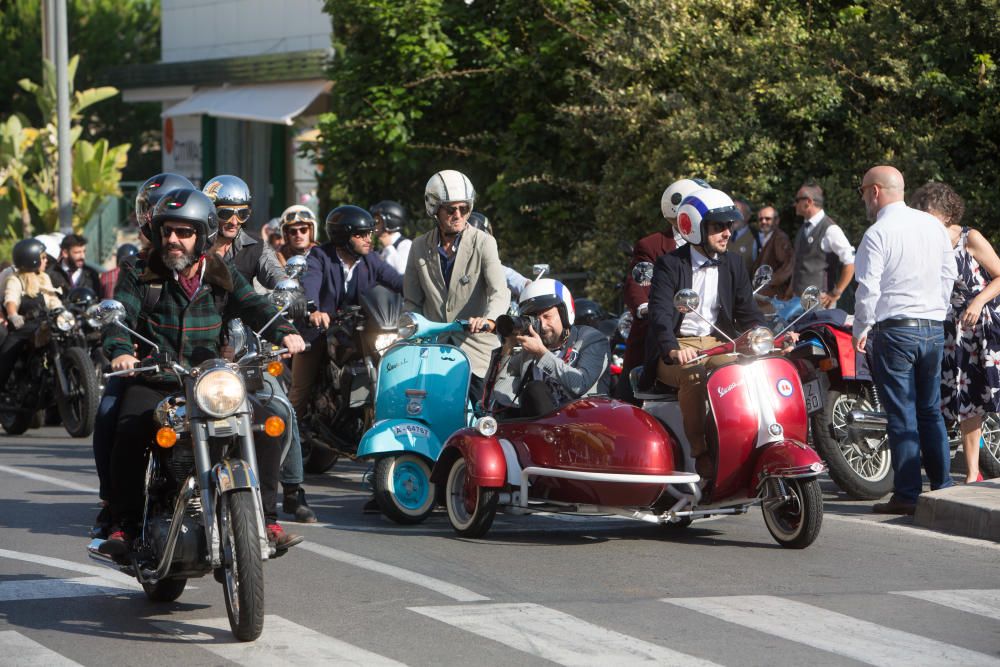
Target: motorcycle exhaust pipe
{"type": "Point", "coordinates": [146, 576]}
{"type": "Point", "coordinates": [867, 421]}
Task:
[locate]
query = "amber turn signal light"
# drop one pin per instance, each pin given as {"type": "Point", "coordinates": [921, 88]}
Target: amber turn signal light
{"type": "Point", "coordinates": [274, 426]}
{"type": "Point", "coordinates": [826, 364]}
{"type": "Point", "coordinates": [166, 437]}
{"type": "Point", "coordinates": [275, 368]}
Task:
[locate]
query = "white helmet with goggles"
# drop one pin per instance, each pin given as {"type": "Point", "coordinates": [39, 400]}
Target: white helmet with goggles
{"type": "Point", "coordinates": [297, 214]}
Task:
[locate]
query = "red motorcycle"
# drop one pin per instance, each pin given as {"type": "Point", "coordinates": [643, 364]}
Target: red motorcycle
{"type": "Point", "coordinates": [600, 456]}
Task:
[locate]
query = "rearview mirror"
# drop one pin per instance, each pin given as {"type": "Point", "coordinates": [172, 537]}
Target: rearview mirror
{"type": "Point", "coordinates": [295, 266]}
{"type": "Point", "coordinates": [642, 274]}
{"type": "Point", "coordinates": [109, 312]}
{"type": "Point", "coordinates": [810, 297]}
{"type": "Point", "coordinates": [762, 276]}
{"type": "Point", "coordinates": [686, 301]}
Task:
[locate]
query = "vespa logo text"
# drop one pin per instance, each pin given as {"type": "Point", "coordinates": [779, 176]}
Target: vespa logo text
{"type": "Point", "coordinates": [725, 390]}
{"type": "Point", "coordinates": [394, 366]}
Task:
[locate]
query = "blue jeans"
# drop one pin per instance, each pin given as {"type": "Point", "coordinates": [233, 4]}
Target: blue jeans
{"type": "Point", "coordinates": [906, 366]}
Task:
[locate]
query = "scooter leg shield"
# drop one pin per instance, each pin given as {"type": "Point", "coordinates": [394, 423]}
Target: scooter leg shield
{"type": "Point", "coordinates": [786, 458]}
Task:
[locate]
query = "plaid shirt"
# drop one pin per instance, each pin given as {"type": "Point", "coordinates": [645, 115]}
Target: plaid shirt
{"type": "Point", "coordinates": [189, 329]}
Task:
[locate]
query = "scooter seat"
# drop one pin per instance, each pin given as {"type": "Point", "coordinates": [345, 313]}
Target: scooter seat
{"type": "Point", "coordinates": [658, 392]}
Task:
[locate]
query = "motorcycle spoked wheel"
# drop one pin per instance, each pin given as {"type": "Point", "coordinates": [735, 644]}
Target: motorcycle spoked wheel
{"type": "Point", "coordinates": [165, 590]}
{"type": "Point", "coordinates": [863, 470]}
{"type": "Point", "coordinates": [471, 508]}
{"type": "Point", "coordinates": [794, 523]}
{"type": "Point", "coordinates": [242, 564]}
{"type": "Point", "coordinates": [989, 449]}
{"type": "Point", "coordinates": [403, 488]}
{"type": "Point", "coordinates": [78, 408]}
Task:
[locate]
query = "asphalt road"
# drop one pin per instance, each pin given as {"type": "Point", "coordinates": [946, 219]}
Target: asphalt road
{"type": "Point", "coordinates": [537, 590]}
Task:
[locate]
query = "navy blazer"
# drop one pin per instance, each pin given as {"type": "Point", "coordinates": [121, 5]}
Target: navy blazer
{"type": "Point", "coordinates": [672, 272]}
{"type": "Point", "coordinates": [323, 281]}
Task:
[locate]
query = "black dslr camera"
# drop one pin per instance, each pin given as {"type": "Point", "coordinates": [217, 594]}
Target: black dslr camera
{"type": "Point", "coordinates": [517, 325]}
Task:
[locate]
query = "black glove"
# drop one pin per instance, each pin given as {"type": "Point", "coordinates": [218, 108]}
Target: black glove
{"type": "Point", "coordinates": [298, 310]}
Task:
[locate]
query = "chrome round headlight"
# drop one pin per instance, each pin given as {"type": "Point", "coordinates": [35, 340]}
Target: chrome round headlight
{"type": "Point", "coordinates": [760, 340]}
{"type": "Point", "coordinates": [219, 392]}
{"type": "Point", "coordinates": [65, 321]}
{"type": "Point", "coordinates": [407, 326]}
{"type": "Point", "coordinates": [487, 426]}
{"type": "Point", "coordinates": [384, 340]}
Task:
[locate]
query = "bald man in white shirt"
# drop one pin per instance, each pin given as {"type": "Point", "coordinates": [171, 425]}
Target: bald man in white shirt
{"type": "Point", "coordinates": [905, 272]}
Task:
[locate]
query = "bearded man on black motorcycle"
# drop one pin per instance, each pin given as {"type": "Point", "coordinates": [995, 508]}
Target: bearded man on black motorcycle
{"type": "Point", "coordinates": [179, 298]}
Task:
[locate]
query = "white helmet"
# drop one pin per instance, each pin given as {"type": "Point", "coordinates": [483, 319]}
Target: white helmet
{"type": "Point", "coordinates": [702, 206]}
{"type": "Point", "coordinates": [542, 294]}
{"type": "Point", "coordinates": [448, 186]}
{"type": "Point", "coordinates": [297, 213]}
{"type": "Point", "coordinates": [675, 194]}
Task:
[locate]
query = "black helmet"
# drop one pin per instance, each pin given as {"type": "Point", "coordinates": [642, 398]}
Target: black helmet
{"type": "Point", "coordinates": [345, 221]}
{"type": "Point", "coordinates": [392, 213]}
{"type": "Point", "coordinates": [589, 312]}
{"type": "Point", "coordinates": [27, 254]}
{"type": "Point", "coordinates": [228, 190]}
{"type": "Point", "coordinates": [81, 297]}
{"type": "Point", "coordinates": [125, 251]}
{"type": "Point", "coordinates": [150, 192]}
{"type": "Point", "coordinates": [186, 205]}
{"type": "Point", "coordinates": [480, 222]}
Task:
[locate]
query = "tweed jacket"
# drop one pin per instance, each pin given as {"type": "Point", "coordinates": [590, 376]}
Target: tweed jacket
{"type": "Point", "coordinates": [478, 288]}
{"type": "Point", "coordinates": [780, 256]}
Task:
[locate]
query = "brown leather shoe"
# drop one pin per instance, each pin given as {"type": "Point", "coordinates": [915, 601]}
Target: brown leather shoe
{"type": "Point", "coordinates": [281, 540]}
{"type": "Point", "coordinates": [894, 506]}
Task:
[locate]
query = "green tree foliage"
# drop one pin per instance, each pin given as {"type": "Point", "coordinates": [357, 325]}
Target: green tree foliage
{"type": "Point", "coordinates": [571, 117]}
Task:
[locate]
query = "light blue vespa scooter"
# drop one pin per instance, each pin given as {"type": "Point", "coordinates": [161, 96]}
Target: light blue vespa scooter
{"type": "Point", "coordinates": [421, 398]}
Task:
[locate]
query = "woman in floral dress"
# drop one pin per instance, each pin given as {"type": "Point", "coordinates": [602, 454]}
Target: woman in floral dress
{"type": "Point", "coordinates": [970, 369]}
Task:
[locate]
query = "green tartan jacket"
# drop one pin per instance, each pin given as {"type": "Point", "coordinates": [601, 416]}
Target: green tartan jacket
{"type": "Point", "coordinates": [190, 329]}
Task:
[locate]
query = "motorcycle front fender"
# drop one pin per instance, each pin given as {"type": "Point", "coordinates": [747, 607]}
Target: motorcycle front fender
{"type": "Point", "coordinates": [397, 436]}
{"type": "Point", "coordinates": [233, 474]}
{"type": "Point", "coordinates": [487, 465]}
{"type": "Point", "coordinates": [786, 458]}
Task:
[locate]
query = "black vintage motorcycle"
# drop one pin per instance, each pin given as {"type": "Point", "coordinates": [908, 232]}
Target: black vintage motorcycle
{"type": "Point", "coordinates": [341, 407]}
{"type": "Point", "coordinates": [203, 511]}
{"type": "Point", "coordinates": [56, 368]}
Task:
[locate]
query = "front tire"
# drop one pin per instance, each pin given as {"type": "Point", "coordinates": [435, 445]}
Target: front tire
{"type": "Point", "coordinates": [78, 407]}
{"type": "Point", "coordinates": [471, 508]}
{"type": "Point", "coordinates": [794, 523]}
{"type": "Point", "coordinates": [242, 564]}
{"type": "Point", "coordinates": [862, 466]}
{"type": "Point", "coordinates": [165, 590]}
{"type": "Point", "coordinates": [403, 488]}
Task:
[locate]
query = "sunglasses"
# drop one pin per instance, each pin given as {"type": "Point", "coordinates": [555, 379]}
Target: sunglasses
{"type": "Point", "coordinates": [295, 231]}
{"type": "Point", "coordinates": [298, 215]}
{"type": "Point", "coordinates": [225, 213]}
{"type": "Point", "coordinates": [179, 232]}
{"type": "Point", "coordinates": [461, 209]}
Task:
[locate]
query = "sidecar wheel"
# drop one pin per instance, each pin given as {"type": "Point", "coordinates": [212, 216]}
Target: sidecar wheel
{"type": "Point", "coordinates": [471, 508]}
{"type": "Point", "coordinates": [242, 564]}
{"type": "Point", "coordinates": [989, 450]}
{"type": "Point", "coordinates": [794, 523]}
{"type": "Point", "coordinates": [165, 590]}
{"type": "Point", "coordinates": [78, 408]}
{"type": "Point", "coordinates": [403, 488]}
{"type": "Point", "coordinates": [862, 466]}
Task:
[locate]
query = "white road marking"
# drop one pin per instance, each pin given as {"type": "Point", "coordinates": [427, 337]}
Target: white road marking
{"type": "Point", "coordinates": [437, 585]}
{"type": "Point", "coordinates": [39, 477]}
{"type": "Point", "coordinates": [913, 530]}
{"type": "Point", "coordinates": [43, 589]}
{"type": "Point", "coordinates": [282, 643]}
{"type": "Point", "coordinates": [555, 636]}
{"type": "Point", "coordinates": [20, 651]}
{"type": "Point", "coordinates": [834, 632]}
{"type": "Point", "coordinates": [103, 572]}
{"type": "Point", "coordinates": [975, 601]}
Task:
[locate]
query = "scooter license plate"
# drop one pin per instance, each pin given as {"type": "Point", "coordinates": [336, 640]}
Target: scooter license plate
{"type": "Point", "coordinates": [814, 400]}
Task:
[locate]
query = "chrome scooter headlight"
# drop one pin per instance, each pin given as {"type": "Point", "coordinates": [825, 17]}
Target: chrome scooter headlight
{"type": "Point", "coordinates": [220, 392]}
{"type": "Point", "coordinates": [65, 321]}
{"type": "Point", "coordinates": [407, 326]}
{"type": "Point", "coordinates": [384, 340]}
{"type": "Point", "coordinates": [760, 341]}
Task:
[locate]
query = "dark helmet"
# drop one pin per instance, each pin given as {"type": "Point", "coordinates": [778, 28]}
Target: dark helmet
{"type": "Point", "coordinates": [125, 251]}
{"type": "Point", "coordinates": [480, 222]}
{"type": "Point", "coordinates": [27, 254]}
{"type": "Point", "coordinates": [228, 190]}
{"type": "Point", "coordinates": [150, 192]}
{"type": "Point", "coordinates": [392, 213]}
{"type": "Point", "coordinates": [345, 221]}
{"type": "Point", "coordinates": [186, 205]}
{"type": "Point", "coordinates": [81, 297]}
{"type": "Point", "coordinates": [589, 312]}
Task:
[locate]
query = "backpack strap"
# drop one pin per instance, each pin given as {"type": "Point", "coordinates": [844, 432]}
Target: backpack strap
{"type": "Point", "coordinates": [151, 297]}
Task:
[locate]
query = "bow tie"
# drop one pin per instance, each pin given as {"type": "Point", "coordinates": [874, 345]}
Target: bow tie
{"type": "Point", "coordinates": [709, 263]}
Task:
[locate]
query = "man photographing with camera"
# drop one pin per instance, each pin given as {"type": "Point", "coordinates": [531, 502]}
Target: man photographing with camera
{"type": "Point", "coordinates": [557, 362]}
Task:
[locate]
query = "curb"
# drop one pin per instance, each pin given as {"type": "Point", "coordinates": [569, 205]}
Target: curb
{"type": "Point", "coordinates": [972, 510]}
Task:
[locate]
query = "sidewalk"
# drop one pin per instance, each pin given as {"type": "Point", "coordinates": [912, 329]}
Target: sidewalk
{"type": "Point", "coordinates": [972, 510]}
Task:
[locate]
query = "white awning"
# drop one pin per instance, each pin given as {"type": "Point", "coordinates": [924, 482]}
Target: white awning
{"type": "Point", "coordinates": [262, 103]}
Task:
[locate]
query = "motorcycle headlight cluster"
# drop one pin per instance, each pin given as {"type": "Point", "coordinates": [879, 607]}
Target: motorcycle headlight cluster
{"type": "Point", "coordinates": [219, 392]}
{"type": "Point", "coordinates": [65, 321]}
{"type": "Point", "coordinates": [384, 340]}
{"type": "Point", "coordinates": [760, 341]}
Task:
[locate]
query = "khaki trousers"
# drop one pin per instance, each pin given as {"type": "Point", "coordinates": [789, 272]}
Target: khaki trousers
{"type": "Point", "coordinates": [305, 367]}
{"type": "Point", "coordinates": [691, 394]}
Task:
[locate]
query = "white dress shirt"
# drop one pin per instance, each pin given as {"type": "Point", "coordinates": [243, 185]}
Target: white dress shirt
{"type": "Point", "coordinates": [396, 255]}
{"type": "Point", "coordinates": [834, 240]}
{"type": "Point", "coordinates": [905, 268]}
{"type": "Point", "coordinates": [704, 281]}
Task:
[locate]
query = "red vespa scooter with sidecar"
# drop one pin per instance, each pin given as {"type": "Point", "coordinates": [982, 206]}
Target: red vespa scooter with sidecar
{"type": "Point", "coordinates": [599, 456]}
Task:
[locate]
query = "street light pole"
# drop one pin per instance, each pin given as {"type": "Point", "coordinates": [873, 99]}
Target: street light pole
{"type": "Point", "coordinates": [62, 120]}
